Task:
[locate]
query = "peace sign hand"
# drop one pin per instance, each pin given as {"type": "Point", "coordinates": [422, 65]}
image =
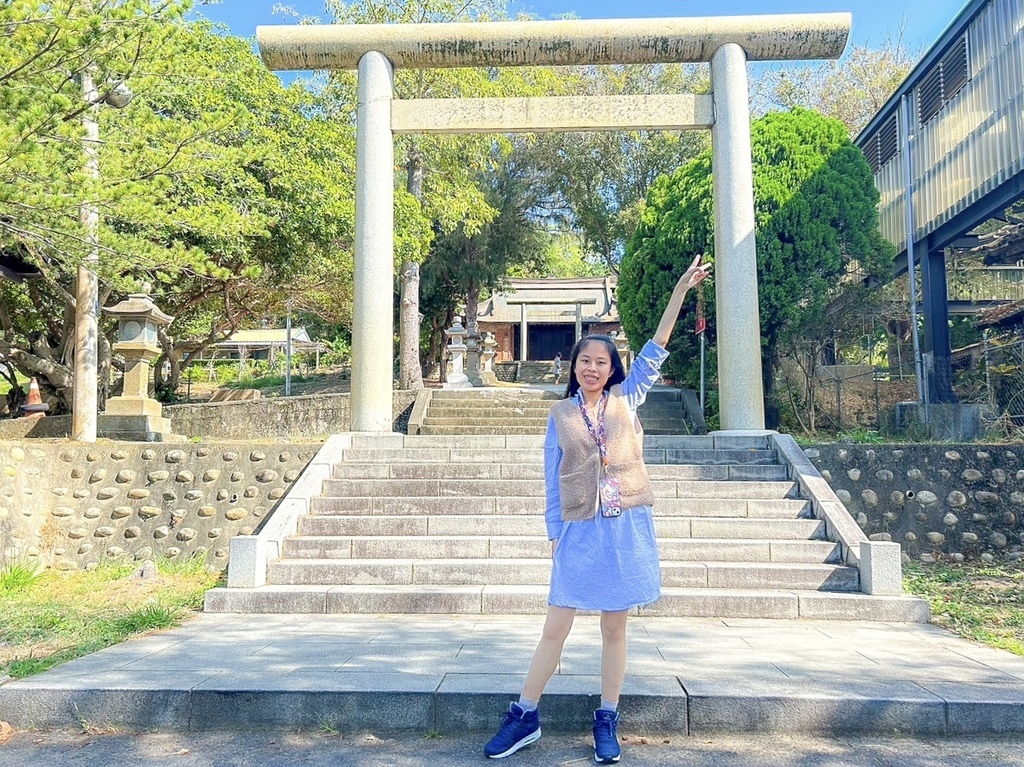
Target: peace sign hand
{"type": "Point", "coordinates": [696, 274]}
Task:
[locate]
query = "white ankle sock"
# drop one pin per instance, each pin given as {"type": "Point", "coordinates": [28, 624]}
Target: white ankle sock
{"type": "Point", "coordinates": [607, 705]}
{"type": "Point", "coordinates": [527, 705]}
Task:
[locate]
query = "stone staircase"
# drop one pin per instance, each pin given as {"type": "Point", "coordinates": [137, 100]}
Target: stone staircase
{"type": "Point", "coordinates": [455, 524]}
{"type": "Point", "coordinates": [525, 411]}
{"type": "Point", "coordinates": [541, 372]}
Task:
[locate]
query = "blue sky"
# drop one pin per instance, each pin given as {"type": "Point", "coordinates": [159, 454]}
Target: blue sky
{"type": "Point", "coordinates": [873, 20]}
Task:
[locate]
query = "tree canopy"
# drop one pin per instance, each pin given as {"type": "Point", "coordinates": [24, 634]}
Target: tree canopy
{"type": "Point", "coordinates": [851, 89]}
{"type": "Point", "coordinates": [224, 190]}
{"type": "Point", "coordinates": [817, 233]}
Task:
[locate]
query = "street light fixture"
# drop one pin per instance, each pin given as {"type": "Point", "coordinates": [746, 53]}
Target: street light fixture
{"type": "Point", "coordinates": [83, 416]}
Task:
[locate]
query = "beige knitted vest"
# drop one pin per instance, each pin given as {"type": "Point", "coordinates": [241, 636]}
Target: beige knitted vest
{"type": "Point", "coordinates": [580, 470]}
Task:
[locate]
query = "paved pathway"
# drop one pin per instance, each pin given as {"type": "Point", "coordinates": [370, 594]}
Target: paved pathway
{"type": "Point", "coordinates": [452, 674]}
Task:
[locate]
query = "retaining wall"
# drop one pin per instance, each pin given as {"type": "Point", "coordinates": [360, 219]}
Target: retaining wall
{"type": "Point", "coordinates": [68, 505]}
{"type": "Point", "coordinates": [960, 502]}
{"type": "Point", "coordinates": [314, 415]}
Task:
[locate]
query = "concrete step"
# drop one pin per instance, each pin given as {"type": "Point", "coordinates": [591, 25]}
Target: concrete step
{"type": "Point", "coordinates": [438, 470]}
{"type": "Point", "coordinates": [507, 488]}
{"type": "Point", "coordinates": [535, 460]}
{"type": "Point", "coordinates": [323, 544]}
{"type": "Point", "coordinates": [712, 457]}
{"type": "Point", "coordinates": [398, 572]}
{"type": "Point", "coordinates": [503, 442]}
{"type": "Point", "coordinates": [394, 441]}
{"type": "Point", "coordinates": [537, 572]}
{"type": "Point", "coordinates": [498, 423]}
{"type": "Point", "coordinates": [500, 470]}
{"type": "Point", "coordinates": [490, 405]}
{"type": "Point", "coordinates": [467, 454]}
{"type": "Point", "coordinates": [432, 488]}
{"type": "Point", "coordinates": [430, 429]}
{"type": "Point", "coordinates": [532, 600]}
{"type": "Point", "coordinates": [500, 507]}
{"type": "Point", "coordinates": [682, 527]}
{"type": "Point", "coordinates": [535, 456]}
{"type": "Point", "coordinates": [748, 550]}
{"type": "Point", "coordinates": [494, 395]}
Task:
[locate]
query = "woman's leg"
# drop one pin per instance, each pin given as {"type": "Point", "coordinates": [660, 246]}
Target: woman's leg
{"type": "Point", "coordinates": [548, 652]}
{"type": "Point", "coordinates": [613, 654]}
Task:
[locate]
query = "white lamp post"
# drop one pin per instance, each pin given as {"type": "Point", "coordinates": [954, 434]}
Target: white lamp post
{"type": "Point", "coordinates": [83, 421]}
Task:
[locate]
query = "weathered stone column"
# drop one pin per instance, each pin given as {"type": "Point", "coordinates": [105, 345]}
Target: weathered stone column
{"type": "Point", "coordinates": [372, 308]}
{"type": "Point", "coordinates": [522, 334]}
{"type": "Point", "coordinates": [579, 322]}
{"type": "Point", "coordinates": [741, 392]}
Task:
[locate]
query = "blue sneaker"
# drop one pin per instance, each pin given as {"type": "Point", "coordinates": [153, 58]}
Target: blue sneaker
{"type": "Point", "coordinates": [606, 740]}
{"type": "Point", "coordinates": [518, 729]}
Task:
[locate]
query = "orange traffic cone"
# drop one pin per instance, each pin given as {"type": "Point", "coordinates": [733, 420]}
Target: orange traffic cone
{"type": "Point", "coordinates": [34, 407]}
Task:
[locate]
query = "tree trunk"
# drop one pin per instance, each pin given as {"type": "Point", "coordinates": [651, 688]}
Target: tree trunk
{"type": "Point", "coordinates": [171, 355]}
{"type": "Point", "coordinates": [53, 377]}
{"type": "Point", "coordinates": [103, 372]}
{"type": "Point", "coordinates": [410, 369]}
{"type": "Point", "coordinates": [435, 344]}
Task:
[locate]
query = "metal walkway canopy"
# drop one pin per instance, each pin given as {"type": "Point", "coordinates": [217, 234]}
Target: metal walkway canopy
{"type": "Point", "coordinates": [554, 43]}
{"type": "Point", "coordinates": [951, 140]}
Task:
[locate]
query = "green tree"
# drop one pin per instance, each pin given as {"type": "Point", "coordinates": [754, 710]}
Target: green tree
{"type": "Point", "coordinates": [851, 89]}
{"type": "Point", "coordinates": [599, 180]}
{"type": "Point", "coordinates": [45, 48]}
{"type": "Point", "coordinates": [462, 264]}
{"type": "Point", "coordinates": [817, 233]}
{"type": "Point", "coordinates": [221, 188]}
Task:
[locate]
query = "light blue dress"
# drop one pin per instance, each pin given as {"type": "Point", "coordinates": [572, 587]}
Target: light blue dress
{"type": "Point", "coordinates": [604, 563]}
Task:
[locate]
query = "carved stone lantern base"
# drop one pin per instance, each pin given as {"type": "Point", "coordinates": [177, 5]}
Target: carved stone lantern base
{"type": "Point", "coordinates": [136, 428]}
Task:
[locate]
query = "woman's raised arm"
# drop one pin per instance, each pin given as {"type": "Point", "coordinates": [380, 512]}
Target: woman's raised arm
{"type": "Point", "coordinates": [692, 276]}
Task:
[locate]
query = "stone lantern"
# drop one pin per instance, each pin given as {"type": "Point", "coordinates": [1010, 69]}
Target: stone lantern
{"type": "Point", "coordinates": [490, 349]}
{"type": "Point", "coordinates": [457, 379]}
{"type": "Point", "coordinates": [134, 415]}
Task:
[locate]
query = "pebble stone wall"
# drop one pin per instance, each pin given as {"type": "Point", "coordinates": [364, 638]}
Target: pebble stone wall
{"type": "Point", "coordinates": [68, 506]}
{"type": "Point", "coordinates": [940, 502]}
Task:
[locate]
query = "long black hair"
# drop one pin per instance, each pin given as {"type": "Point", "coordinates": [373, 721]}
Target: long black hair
{"type": "Point", "coordinates": [618, 369]}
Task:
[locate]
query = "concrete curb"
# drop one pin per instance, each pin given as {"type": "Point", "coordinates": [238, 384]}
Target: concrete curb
{"type": "Point", "coordinates": [452, 673]}
{"type": "Point", "coordinates": [473, 702]}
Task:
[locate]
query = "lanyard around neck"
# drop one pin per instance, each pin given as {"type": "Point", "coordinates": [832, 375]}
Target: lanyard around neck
{"type": "Point", "coordinates": [599, 433]}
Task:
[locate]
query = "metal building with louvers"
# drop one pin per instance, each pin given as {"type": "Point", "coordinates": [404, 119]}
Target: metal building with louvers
{"type": "Point", "coordinates": [963, 108]}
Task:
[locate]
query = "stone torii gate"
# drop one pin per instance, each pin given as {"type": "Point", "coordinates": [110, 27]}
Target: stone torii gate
{"type": "Point", "coordinates": [727, 42]}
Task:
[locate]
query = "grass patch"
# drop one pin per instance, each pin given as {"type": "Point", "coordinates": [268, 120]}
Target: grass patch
{"type": "Point", "coordinates": [980, 602]}
{"type": "Point", "coordinates": [58, 616]}
{"type": "Point", "coordinates": [16, 577]}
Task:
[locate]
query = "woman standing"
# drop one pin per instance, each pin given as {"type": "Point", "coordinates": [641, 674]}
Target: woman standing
{"type": "Point", "coordinates": [603, 548]}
